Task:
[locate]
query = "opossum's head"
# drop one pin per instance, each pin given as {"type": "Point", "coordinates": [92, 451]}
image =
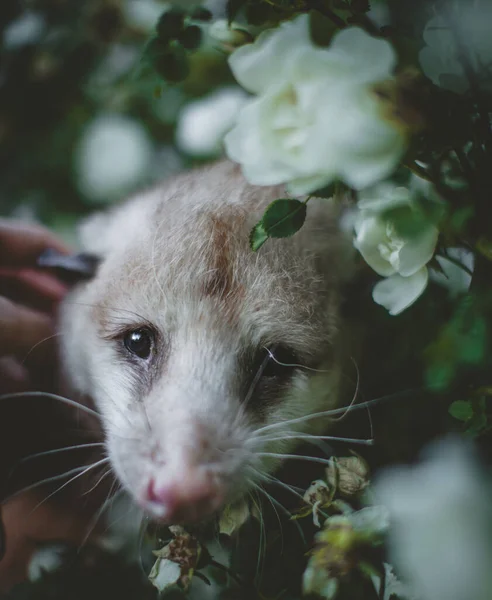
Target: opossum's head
{"type": "Point", "coordinates": [198, 351]}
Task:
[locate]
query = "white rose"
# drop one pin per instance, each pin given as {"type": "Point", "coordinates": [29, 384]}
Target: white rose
{"type": "Point", "coordinates": [114, 155]}
{"type": "Point", "coordinates": [316, 117]}
{"type": "Point", "coordinates": [441, 523]}
{"type": "Point", "coordinates": [397, 241]}
{"type": "Point", "coordinates": [203, 123]}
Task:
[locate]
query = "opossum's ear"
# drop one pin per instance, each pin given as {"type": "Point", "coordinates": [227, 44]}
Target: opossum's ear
{"type": "Point", "coordinates": [69, 268]}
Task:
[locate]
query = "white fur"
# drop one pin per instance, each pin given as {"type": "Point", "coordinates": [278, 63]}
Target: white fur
{"type": "Point", "coordinates": [157, 253]}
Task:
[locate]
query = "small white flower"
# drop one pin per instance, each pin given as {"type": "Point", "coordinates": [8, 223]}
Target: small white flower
{"type": "Point", "coordinates": [45, 560]}
{"type": "Point", "coordinates": [316, 117]}
{"type": "Point", "coordinates": [114, 155]}
{"type": "Point", "coordinates": [27, 29]}
{"type": "Point", "coordinates": [441, 524]}
{"type": "Point", "coordinates": [455, 278]}
{"type": "Point", "coordinates": [164, 574]}
{"type": "Point", "coordinates": [397, 241]}
{"type": "Point", "coordinates": [440, 59]}
{"type": "Point", "coordinates": [203, 123]}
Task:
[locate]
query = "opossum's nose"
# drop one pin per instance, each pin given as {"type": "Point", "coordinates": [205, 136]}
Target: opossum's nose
{"type": "Point", "coordinates": [192, 494]}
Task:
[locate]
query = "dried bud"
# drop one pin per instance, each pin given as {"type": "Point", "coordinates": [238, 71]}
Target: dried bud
{"type": "Point", "coordinates": [348, 475]}
{"type": "Point", "coordinates": [318, 495]}
{"type": "Point", "coordinates": [318, 491]}
{"type": "Point", "coordinates": [177, 561]}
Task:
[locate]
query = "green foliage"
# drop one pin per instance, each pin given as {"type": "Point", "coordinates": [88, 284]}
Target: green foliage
{"type": "Point", "coordinates": [472, 413]}
{"type": "Point", "coordinates": [282, 218]}
{"type": "Point", "coordinates": [462, 341]}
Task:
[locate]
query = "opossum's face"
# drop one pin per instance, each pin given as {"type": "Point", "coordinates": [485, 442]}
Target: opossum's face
{"type": "Point", "coordinates": [198, 353]}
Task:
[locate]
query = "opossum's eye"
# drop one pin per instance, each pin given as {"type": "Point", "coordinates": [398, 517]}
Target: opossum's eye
{"type": "Point", "coordinates": [278, 361]}
{"type": "Point", "coordinates": [139, 342]}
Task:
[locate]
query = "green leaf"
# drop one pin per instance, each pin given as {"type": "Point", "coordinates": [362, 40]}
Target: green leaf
{"type": "Point", "coordinates": [477, 425]}
{"type": "Point", "coordinates": [321, 29]}
{"type": "Point", "coordinates": [170, 24]}
{"type": "Point", "coordinates": [233, 7]}
{"type": "Point", "coordinates": [172, 65]}
{"type": "Point", "coordinates": [284, 217]}
{"type": "Point", "coordinates": [461, 410]}
{"type": "Point", "coordinates": [191, 37]}
{"type": "Point", "coordinates": [257, 237]}
{"type": "Point", "coordinates": [200, 13]}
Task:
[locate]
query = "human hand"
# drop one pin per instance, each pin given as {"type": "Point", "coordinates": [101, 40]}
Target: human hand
{"type": "Point", "coordinates": [28, 300]}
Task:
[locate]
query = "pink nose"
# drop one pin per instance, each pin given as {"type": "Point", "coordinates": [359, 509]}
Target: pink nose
{"type": "Point", "coordinates": [193, 496]}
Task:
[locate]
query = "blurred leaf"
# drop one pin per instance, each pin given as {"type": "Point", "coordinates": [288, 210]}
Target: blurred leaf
{"type": "Point", "coordinates": [484, 246]}
{"type": "Point", "coordinates": [233, 7]}
{"type": "Point", "coordinates": [170, 24]}
{"type": "Point", "coordinates": [172, 64]}
{"type": "Point", "coordinates": [461, 410]}
{"type": "Point", "coordinates": [200, 13]}
{"type": "Point", "coordinates": [462, 341]}
{"type": "Point", "coordinates": [191, 37]}
{"type": "Point", "coordinates": [321, 29]}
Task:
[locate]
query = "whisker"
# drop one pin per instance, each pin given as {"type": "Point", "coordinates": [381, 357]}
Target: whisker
{"type": "Point", "coordinates": [324, 461]}
{"type": "Point", "coordinates": [50, 337]}
{"type": "Point", "coordinates": [42, 482]}
{"type": "Point", "coordinates": [354, 397]}
{"type": "Point", "coordinates": [275, 480]}
{"type": "Point", "coordinates": [109, 498]}
{"type": "Point", "coordinates": [336, 411]}
{"type": "Point", "coordinates": [59, 489]}
{"type": "Point", "coordinates": [307, 436]}
{"type": "Point", "coordinates": [56, 451]}
{"type": "Point", "coordinates": [66, 401]}
{"type": "Point", "coordinates": [272, 356]}
{"type": "Point", "coordinates": [256, 379]}
{"type": "Point", "coordinates": [103, 476]}
{"type": "Point", "coordinates": [262, 543]}
{"type": "Point", "coordinates": [282, 507]}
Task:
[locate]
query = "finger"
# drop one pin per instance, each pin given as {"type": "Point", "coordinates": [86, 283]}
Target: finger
{"type": "Point", "coordinates": [36, 290]}
{"type": "Point", "coordinates": [21, 243]}
{"type": "Point", "coordinates": [14, 377]}
{"type": "Point", "coordinates": [21, 328]}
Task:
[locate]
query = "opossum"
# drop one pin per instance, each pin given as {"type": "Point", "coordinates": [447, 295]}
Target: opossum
{"type": "Point", "coordinates": [198, 352]}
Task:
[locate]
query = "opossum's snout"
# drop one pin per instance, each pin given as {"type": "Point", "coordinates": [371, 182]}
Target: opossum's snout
{"type": "Point", "coordinates": [186, 475]}
{"type": "Point", "coordinates": [192, 494]}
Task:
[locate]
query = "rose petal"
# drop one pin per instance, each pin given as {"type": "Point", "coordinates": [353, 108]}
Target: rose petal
{"type": "Point", "coordinates": [354, 43]}
{"type": "Point", "coordinates": [371, 235]}
{"type": "Point", "coordinates": [257, 65]}
{"type": "Point", "coordinates": [418, 251]}
{"type": "Point", "coordinates": [396, 293]}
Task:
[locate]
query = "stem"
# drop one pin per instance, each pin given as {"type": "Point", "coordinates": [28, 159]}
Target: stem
{"type": "Point", "coordinates": [459, 264]}
{"type": "Point", "coordinates": [229, 572]}
{"type": "Point", "coordinates": [418, 170]}
{"type": "Point", "coordinates": [320, 6]}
